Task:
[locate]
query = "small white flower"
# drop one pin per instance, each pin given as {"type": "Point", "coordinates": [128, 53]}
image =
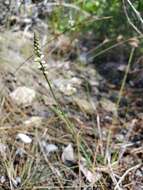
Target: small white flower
{"type": "Point", "coordinates": [71, 22]}
{"type": "Point", "coordinates": [42, 56]}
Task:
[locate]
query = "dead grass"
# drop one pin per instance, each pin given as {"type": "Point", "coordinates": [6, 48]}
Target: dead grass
{"type": "Point", "coordinates": [108, 151]}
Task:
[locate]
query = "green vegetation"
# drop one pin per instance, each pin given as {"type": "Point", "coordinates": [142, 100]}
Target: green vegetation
{"type": "Point", "coordinates": [67, 16]}
{"type": "Point", "coordinates": [108, 25]}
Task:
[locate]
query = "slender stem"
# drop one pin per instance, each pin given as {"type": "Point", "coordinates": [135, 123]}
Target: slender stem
{"type": "Point", "coordinates": [125, 77]}
{"type": "Point", "coordinates": [120, 95]}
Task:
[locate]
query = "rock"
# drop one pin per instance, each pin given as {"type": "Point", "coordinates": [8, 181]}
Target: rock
{"type": "Point", "coordinates": [33, 121]}
{"type": "Point", "coordinates": [49, 148]}
{"type": "Point", "coordinates": [24, 138]}
{"type": "Point", "coordinates": [108, 105]}
{"type": "Point", "coordinates": [85, 105]}
{"type": "Point", "coordinates": [23, 96]}
{"type": "Point", "coordinates": [75, 81]}
{"type": "Point", "coordinates": [68, 90]}
{"type": "Point", "coordinates": [63, 44]}
{"type": "Point", "coordinates": [112, 71]}
{"type": "Point", "coordinates": [67, 86]}
{"type": "Point", "coordinates": [20, 152]}
{"type": "Point", "coordinates": [83, 58]}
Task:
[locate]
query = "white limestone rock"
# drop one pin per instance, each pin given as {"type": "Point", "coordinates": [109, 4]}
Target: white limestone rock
{"type": "Point", "coordinates": [23, 96]}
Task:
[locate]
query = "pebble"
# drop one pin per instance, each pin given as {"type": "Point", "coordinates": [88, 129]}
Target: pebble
{"type": "Point", "coordinates": [24, 138]}
{"type": "Point", "coordinates": [23, 96]}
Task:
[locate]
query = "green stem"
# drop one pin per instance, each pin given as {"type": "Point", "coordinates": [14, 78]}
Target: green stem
{"type": "Point", "coordinates": [125, 77]}
{"type": "Point", "coordinates": [120, 95]}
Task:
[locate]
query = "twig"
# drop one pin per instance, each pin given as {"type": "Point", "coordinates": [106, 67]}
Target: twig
{"type": "Point", "coordinates": [123, 147]}
{"type": "Point", "coordinates": [68, 5]}
{"type": "Point", "coordinates": [126, 173]}
{"type": "Point", "coordinates": [111, 171]}
{"type": "Point", "coordinates": [136, 12]}
{"type": "Point", "coordinates": [100, 134]}
{"type": "Point", "coordinates": [128, 18]}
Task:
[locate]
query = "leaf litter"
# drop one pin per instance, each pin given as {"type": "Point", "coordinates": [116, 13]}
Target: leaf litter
{"type": "Point", "coordinates": [61, 162]}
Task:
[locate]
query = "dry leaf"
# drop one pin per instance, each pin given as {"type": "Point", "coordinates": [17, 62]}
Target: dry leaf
{"type": "Point", "coordinates": [134, 42]}
{"type": "Point", "coordinates": [68, 156]}
{"type": "Point", "coordinates": [120, 38]}
{"type": "Point", "coordinates": [91, 177]}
